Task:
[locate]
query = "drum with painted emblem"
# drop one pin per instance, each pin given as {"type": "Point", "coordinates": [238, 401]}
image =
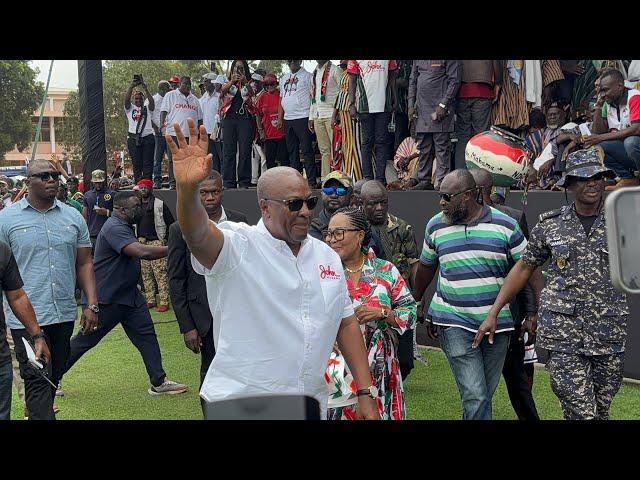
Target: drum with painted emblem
{"type": "Point", "coordinates": [502, 153]}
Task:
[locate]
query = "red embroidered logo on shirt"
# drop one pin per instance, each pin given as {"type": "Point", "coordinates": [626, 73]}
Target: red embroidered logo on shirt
{"type": "Point", "coordinates": [327, 272]}
{"type": "Point", "coordinates": [372, 66]}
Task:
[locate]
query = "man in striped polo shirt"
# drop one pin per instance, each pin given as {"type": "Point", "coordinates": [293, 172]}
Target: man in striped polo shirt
{"type": "Point", "coordinates": [472, 246]}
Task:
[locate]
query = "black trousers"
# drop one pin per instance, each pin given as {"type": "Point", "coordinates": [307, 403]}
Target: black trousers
{"type": "Point", "coordinates": [39, 394]}
{"type": "Point", "coordinates": [298, 134]}
{"type": "Point", "coordinates": [276, 151]}
{"type": "Point", "coordinates": [517, 379]}
{"type": "Point", "coordinates": [142, 156]}
{"type": "Point", "coordinates": [207, 352]}
{"type": "Point", "coordinates": [405, 353]}
{"type": "Point", "coordinates": [237, 138]}
{"type": "Point", "coordinates": [402, 129]}
{"type": "Point", "coordinates": [138, 326]}
{"type": "Point", "coordinates": [215, 149]}
{"type": "Point", "coordinates": [374, 131]}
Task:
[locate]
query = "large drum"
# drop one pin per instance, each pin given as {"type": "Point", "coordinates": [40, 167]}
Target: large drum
{"type": "Point", "coordinates": [503, 154]}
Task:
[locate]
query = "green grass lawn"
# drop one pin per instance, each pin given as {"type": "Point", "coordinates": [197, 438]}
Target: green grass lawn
{"type": "Point", "coordinates": [110, 382]}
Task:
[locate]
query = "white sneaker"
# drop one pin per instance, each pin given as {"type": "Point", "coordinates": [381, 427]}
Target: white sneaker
{"type": "Point", "coordinates": [169, 388]}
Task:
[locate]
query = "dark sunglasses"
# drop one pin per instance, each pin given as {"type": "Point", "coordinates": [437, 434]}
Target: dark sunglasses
{"type": "Point", "coordinates": [46, 176]}
{"type": "Point", "coordinates": [447, 197]}
{"type": "Point", "coordinates": [295, 204]}
{"type": "Point", "coordinates": [340, 191]}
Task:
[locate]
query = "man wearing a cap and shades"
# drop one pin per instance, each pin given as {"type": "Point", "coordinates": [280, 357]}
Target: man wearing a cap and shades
{"type": "Point", "coordinates": [210, 104]}
{"type": "Point", "coordinates": [152, 230]}
{"type": "Point", "coordinates": [98, 204]}
{"type": "Point", "coordinates": [583, 319]}
{"type": "Point", "coordinates": [161, 145]}
{"type": "Point", "coordinates": [337, 190]}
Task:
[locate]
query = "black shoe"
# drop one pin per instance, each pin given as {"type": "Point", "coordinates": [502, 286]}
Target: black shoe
{"type": "Point", "coordinates": [423, 185]}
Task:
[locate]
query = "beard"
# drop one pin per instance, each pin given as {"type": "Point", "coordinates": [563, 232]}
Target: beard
{"type": "Point", "coordinates": [457, 214]}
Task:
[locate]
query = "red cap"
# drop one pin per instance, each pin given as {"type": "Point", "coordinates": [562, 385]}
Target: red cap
{"type": "Point", "coordinates": [270, 78]}
{"type": "Point", "coordinates": [145, 182]}
{"type": "Point", "coordinates": [174, 79]}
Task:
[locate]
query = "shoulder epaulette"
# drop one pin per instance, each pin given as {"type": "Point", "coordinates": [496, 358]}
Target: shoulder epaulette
{"type": "Point", "coordinates": [550, 214]}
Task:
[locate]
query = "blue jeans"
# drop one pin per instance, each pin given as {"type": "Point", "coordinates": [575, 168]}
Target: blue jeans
{"type": "Point", "coordinates": [476, 370]}
{"type": "Point", "coordinates": [622, 156]}
{"type": "Point", "coordinates": [6, 377]}
{"type": "Point", "coordinates": [161, 148]}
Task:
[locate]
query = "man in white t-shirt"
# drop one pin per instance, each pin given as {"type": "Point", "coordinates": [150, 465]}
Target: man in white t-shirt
{"type": "Point", "coordinates": [140, 142]}
{"type": "Point", "coordinates": [278, 339]}
{"type": "Point", "coordinates": [295, 102]}
{"type": "Point", "coordinates": [372, 98]}
{"type": "Point", "coordinates": [177, 106]}
{"type": "Point", "coordinates": [324, 90]}
{"type": "Point", "coordinates": [617, 130]}
{"type": "Point", "coordinates": [161, 145]}
{"type": "Point", "coordinates": [210, 104]}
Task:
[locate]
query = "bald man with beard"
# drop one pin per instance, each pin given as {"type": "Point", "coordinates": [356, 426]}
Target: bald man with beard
{"type": "Point", "coordinates": [278, 297]}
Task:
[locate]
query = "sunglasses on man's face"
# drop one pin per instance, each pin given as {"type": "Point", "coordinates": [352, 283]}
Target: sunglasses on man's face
{"type": "Point", "coordinates": [447, 197]}
{"type": "Point", "coordinates": [46, 176]}
{"type": "Point", "coordinates": [340, 191]}
{"type": "Point", "coordinates": [295, 204]}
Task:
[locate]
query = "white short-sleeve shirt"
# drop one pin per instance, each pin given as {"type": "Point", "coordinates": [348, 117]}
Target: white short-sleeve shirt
{"type": "Point", "coordinates": [295, 94]}
{"type": "Point", "coordinates": [180, 107]}
{"type": "Point", "coordinates": [275, 315]}
{"type": "Point", "coordinates": [133, 115]}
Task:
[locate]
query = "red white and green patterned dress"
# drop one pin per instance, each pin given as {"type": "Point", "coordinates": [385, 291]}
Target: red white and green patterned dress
{"type": "Point", "coordinates": [380, 285]}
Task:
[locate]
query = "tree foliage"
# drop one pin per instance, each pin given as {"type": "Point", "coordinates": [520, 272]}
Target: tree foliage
{"type": "Point", "coordinates": [20, 95]}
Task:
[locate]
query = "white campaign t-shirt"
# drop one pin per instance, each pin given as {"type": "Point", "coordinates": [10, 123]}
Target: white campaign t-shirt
{"type": "Point", "coordinates": [210, 104]}
{"type": "Point", "coordinates": [375, 75]}
{"type": "Point", "coordinates": [275, 315]}
{"type": "Point", "coordinates": [295, 94]}
{"type": "Point", "coordinates": [133, 114]}
{"type": "Point", "coordinates": [180, 107]}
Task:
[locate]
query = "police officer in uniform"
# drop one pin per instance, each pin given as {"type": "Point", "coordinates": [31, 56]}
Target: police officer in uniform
{"type": "Point", "coordinates": [583, 320]}
{"type": "Point", "coordinates": [98, 205]}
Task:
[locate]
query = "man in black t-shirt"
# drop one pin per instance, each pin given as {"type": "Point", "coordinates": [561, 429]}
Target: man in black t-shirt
{"type": "Point", "coordinates": [11, 284]}
{"type": "Point", "coordinates": [117, 268]}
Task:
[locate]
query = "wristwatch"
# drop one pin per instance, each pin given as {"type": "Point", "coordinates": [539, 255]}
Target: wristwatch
{"type": "Point", "coordinates": [442, 105]}
{"type": "Point", "coordinates": [385, 313]}
{"type": "Point", "coordinates": [94, 308]}
{"type": "Point", "coordinates": [38, 335]}
{"type": "Point", "coordinates": [372, 391]}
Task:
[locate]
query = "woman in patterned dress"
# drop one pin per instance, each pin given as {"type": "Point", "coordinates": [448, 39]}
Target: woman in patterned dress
{"type": "Point", "coordinates": [350, 128]}
{"type": "Point", "coordinates": [384, 308]}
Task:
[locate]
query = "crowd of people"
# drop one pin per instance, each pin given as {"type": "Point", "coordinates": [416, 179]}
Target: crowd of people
{"type": "Point", "coordinates": [335, 296]}
{"type": "Point", "coordinates": [404, 123]}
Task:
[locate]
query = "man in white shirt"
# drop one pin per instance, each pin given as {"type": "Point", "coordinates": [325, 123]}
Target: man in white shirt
{"type": "Point", "coordinates": [140, 139]}
{"type": "Point", "coordinates": [371, 102]}
{"type": "Point", "coordinates": [278, 339]}
{"type": "Point", "coordinates": [295, 102]}
{"type": "Point", "coordinates": [161, 145]}
{"type": "Point", "coordinates": [325, 88]}
{"type": "Point", "coordinates": [177, 106]}
{"type": "Point", "coordinates": [210, 104]}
